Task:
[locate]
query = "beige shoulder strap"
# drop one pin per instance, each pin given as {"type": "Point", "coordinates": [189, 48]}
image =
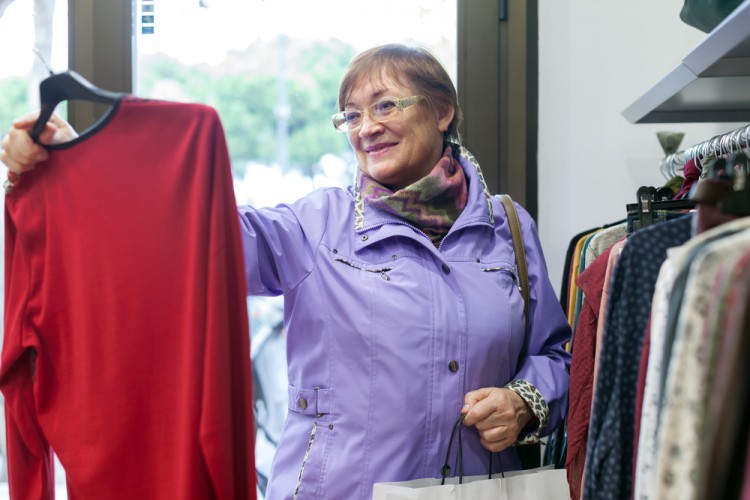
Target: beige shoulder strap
{"type": "Point", "coordinates": [519, 250]}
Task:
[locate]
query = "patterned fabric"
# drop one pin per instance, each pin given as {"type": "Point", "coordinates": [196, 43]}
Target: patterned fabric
{"type": "Point", "coordinates": [609, 453]}
{"type": "Point", "coordinates": [538, 406]}
{"type": "Point", "coordinates": [464, 154]}
{"type": "Point", "coordinates": [603, 241]}
{"type": "Point", "coordinates": [645, 467]}
{"type": "Point", "coordinates": [728, 408]}
{"type": "Point", "coordinates": [682, 417]}
{"type": "Point", "coordinates": [667, 295]}
{"type": "Point", "coordinates": [433, 203]}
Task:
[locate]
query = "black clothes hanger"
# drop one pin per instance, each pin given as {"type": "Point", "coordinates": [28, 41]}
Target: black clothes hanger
{"type": "Point", "coordinates": [650, 200]}
{"type": "Point", "coordinates": [64, 86]}
{"type": "Point", "coordinates": [736, 170]}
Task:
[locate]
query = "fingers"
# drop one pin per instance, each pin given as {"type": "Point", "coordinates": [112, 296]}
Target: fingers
{"type": "Point", "coordinates": [471, 400]}
{"type": "Point", "coordinates": [499, 444]}
{"type": "Point", "coordinates": [55, 131]}
{"type": "Point", "coordinates": [492, 413]}
{"type": "Point", "coordinates": [19, 153]}
{"type": "Point", "coordinates": [48, 133]}
{"type": "Point", "coordinates": [27, 121]}
{"type": "Point", "coordinates": [489, 403]}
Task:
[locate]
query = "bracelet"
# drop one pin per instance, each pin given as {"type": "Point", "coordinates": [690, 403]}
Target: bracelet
{"type": "Point", "coordinates": [11, 181]}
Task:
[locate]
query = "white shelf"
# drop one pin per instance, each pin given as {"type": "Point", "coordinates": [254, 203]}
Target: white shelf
{"type": "Point", "coordinates": [711, 84]}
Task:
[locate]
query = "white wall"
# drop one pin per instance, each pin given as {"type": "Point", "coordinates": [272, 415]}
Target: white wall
{"type": "Point", "coordinates": [595, 58]}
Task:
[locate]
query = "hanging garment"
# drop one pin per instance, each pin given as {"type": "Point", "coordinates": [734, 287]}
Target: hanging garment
{"type": "Point", "coordinates": [609, 453]}
{"type": "Point", "coordinates": [567, 268]}
{"type": "Point", "coordinates": [592, 247]}
{"type": "Point", "coordinates": [646, 445]}
{"type": "Point", "coordinates": [614, 255]}
{"type": "Point", "coordinates": [574, 271]}
{"type": "Point", "coordinates": [667, 295]}
{"type": "Point", "coordinates": [681, 417]}
{"type": "Point", "coordinates": [591, 281]}
{"type": "Point", "coordinates": [604, 239]}
{"type": "Point", "coordinates": [727, 429]}
{"type": "Point", "coordinates": [126, 344]}
{"type": "Point", "coordinates": [578, 301]}
{"type": "Point", "coordinates": [639, 393]}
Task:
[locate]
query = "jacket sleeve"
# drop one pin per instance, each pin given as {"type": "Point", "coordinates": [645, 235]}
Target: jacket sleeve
{"type": "Point", "coordinates": [279, 247]}
{"type": "Point", "coordinates": [544, 362]}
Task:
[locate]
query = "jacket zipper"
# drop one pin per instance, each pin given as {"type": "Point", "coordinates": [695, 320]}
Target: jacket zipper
{"type": "Point", "coordinates": [382, 271]}
{"type": "Point", "coordinates": [304, 460]}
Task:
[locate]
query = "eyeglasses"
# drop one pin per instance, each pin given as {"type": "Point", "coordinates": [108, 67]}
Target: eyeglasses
{"type": "Point", "coordinates": [383, 110]}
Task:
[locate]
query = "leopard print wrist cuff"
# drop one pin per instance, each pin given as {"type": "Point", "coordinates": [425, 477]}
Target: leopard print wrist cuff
{"type": "Point", "coordinates": [538, 406]}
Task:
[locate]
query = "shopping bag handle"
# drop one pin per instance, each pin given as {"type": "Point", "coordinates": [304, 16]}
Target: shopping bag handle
{"type": "Point", "coordinates": [445, 470]}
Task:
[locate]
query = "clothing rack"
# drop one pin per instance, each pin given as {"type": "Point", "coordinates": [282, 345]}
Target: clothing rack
{"type": "Point", "coordinates": [720, 145]}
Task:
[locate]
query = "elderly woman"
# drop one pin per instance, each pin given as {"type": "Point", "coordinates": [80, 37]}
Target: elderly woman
{"type": "Point", "coordinates": [402, 301]}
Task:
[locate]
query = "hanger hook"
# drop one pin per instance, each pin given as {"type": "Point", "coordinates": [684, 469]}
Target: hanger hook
{"type": "Point", "coordinates": [44, 61]}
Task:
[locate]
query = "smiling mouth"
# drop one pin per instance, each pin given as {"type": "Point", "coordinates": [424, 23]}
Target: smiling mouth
{"type": "Point", "coordinates": [378, 148]}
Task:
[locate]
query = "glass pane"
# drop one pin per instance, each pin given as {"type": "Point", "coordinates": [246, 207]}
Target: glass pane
{"type": "Point", "coordinates": [34, 34]}
{"type": "Point", "coordinates": [34, 41]}
{"type": "Point", "coordinates": [271, 68]}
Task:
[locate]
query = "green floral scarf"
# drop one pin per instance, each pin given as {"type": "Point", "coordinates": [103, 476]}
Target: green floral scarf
{"type": "Point", "coordinates": [433, 203]}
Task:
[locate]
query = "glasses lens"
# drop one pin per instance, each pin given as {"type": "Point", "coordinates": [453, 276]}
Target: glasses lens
{"type": "Point", "coordinates": [383, 108]}
{"type": "Point", "coordinates": [339, 121]}
{"type": "Point", "coordinates": [349, 120]}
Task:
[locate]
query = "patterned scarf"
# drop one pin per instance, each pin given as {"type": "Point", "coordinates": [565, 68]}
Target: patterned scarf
{"type": "Point", "coordinates": [433, 203]}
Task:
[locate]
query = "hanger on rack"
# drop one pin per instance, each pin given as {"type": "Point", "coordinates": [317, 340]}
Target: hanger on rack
{"type": "Point", "coordinates": [671, 165]}
{"type": "Point", "coordinates": [64, 86]}
{"type": "Point", "coordinates": [737, 202]}
{"type": "Point", "coordinates": [651, 201]}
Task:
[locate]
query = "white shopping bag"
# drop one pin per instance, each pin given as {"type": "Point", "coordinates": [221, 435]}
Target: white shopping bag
{"type": "Point", "coordinates": [543, 483]}
{"type": "Point", "coordinates": [533, 484]}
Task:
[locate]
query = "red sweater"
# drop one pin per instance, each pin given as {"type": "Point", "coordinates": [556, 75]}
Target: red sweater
{"type": "Point", "coordinates": [126, 345]}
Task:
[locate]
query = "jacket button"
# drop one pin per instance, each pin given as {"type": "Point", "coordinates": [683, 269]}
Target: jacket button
{"type": "Point", "coordinates": [453, 366]}
{"type": "Point", "coordinates": [446, 269]}
{"type": "Point", "coordinates": [302, 403]}
{"type": "Point", "coordinates": [364, 238]}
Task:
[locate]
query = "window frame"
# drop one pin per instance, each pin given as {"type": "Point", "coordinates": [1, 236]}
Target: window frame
{"type": "Point", "coordinates": [499, 101]}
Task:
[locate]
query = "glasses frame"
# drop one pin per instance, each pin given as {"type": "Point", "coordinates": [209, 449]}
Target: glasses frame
{"type": "Point", "coordinates": [341, 125]}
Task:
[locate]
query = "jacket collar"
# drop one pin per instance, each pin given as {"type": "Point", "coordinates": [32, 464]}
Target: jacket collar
{"type": "Point", "coordinates": [478, 206]}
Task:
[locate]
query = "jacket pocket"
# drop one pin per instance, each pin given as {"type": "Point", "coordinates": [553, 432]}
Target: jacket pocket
{"type": "Point", "coordinates": [381, 270]}
{"type": "Point", "coordinates": [310, 443]}
{"type": "Point", "coordinates": [505, 270]}
{"type": "Point", "coordinates": [314, 406]}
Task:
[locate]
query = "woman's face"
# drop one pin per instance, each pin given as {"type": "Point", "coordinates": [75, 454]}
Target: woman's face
{"type": "Point", "coordinates": [406, 147]}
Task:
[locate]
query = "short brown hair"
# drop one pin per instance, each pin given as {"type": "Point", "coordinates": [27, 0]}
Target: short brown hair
{"type": "Point", "coordinates": [414, 66]}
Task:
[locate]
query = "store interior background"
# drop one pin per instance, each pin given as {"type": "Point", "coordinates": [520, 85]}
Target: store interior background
{"type": "Point", "coordinates": [595, 59]}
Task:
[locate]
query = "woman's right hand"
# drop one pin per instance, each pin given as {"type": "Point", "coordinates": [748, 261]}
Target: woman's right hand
{"type": "Point", "coordinates": [20, 154]}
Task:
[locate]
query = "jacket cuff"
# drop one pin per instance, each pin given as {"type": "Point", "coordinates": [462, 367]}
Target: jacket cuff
{"type": "Point", "coordinates": [538, 406]}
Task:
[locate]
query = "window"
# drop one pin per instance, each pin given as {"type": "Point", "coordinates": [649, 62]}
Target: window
{"type": "Point", "coordinates": [28, 28]}
{"type": "Point", "coordinates": [271, 68]}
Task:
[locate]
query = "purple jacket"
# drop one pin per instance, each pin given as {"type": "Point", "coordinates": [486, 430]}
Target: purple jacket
{"type": "Point", "coordinates": [386, 334]}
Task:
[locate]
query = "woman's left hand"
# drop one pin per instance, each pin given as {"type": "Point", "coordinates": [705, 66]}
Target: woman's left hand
{"type": "Point", "coordinates": [498, 414]}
